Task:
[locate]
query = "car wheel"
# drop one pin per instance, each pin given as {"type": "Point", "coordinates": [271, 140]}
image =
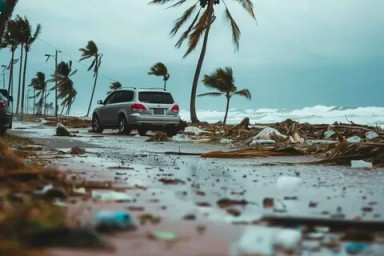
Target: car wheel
{"type": "Point", "coordinates": [96, 127]}
{"type": "Point", "coordinates": [171, 131]}
{"type": "Point", "coordinates": [2, 131]}
{"type": "Point", "coordinates": [123, 125]}
{"type": "Point", "coordinates": [142, 131]}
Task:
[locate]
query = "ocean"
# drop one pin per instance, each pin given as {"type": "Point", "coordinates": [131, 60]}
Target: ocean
{"type": "Point", "coordinates": [318, 114]}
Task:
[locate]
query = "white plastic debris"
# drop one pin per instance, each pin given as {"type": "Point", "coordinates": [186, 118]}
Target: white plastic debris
{"type": "Point", "coordinates": [371, 135]}
{"type": "Point", "coordinates": [259, 142]}
{"type": "Point", "coordinates": [193, 129]}
{"type": "Point", "coordinates": [254, 241]}
{"type": "Point", "coordinates": [361, 164]}
{"type": "Point", "coordinates": [267, 134]}
{"type": "Point", "coordinates": [288, 240]}
{"type": "Point", "coordinates": [279, 207]}
{"type": "Point", "coordinates": [328, 134]}
{"type": "Point", "coordinates": [225, 141]}
{"type": "Point", "coordinates": [180, 138]}
{"type": "Point", "coordinates": [354, 139]}
{"type": "Point", "coordinates": [296, 138]}
{"type": "Point", "coordinates": [288, 183]}
{"type": "Point", "coordinates": [111, 196]}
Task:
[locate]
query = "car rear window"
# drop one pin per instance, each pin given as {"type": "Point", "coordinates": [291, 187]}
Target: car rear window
{"type": "Point", "coordinates": [156, 97]}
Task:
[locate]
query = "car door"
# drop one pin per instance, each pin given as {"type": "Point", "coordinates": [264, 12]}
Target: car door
{"type": "Point", "coordinates": [106, 109]}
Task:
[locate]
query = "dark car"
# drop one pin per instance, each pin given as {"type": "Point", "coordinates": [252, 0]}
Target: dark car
{"type": "Point", "coordinates": [5, 111]}
{"type": "Point", "coordinates": [137, 108]}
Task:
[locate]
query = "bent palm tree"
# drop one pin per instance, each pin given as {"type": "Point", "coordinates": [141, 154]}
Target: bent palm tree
{"type": "Point", "coordinates": [115, 86]}
{"type": "Point", "coordinates": [11, 39]}
{"type": "Point", "coordinates": [91, 51]}
{"type": "Point", "coordinates": [65, 88]}
{"type": "Point", "coordinates": [200, 26]}
{"type": "Point", "coordinates": [223, 81]}
{"type": "Point", "coordinates": [39, 84]}
{"type": "Point", "coordinates": [159, 69]}
{"type": "Point", "coordinates": [27, 39]}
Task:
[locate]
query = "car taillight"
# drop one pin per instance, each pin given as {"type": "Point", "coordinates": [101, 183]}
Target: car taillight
{"type": "Point", "coordinates": [138, 107]}
{"type": "Point", "coordinates": [2, 104]}
{"type": "Point", "coordinates": [175, 108]}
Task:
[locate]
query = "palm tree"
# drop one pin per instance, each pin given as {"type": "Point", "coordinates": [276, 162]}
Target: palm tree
{"type": "Point", "coordinates": [91, 51]}
{"type": "Point", "coordinates": [39, 84]}
{"type": "Point", "coordinates": [65, 85]}
{"type": "Point", "coordinates": [223, 81]}
{"type": "Point", "coordinates": [11, 39]}
{"type": "Point", "coordinates": [6, 10]}
{"type": "Point", "coordinates": [200, 26]}
{"type": "Point", "coordinates": [115, 86]}
{"type": "Point", "coordinates": [159, 69]}
{"type": "Point", "coordinates": [26, 39]}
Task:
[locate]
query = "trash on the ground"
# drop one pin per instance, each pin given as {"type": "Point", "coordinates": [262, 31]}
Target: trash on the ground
{"type": "Point", "coordinates": [80, 191]}
{"type": "Point", "coordinates": [16, 146]}
{"type": "Point", "coordinates": [111, 196]}
{"type": "Point", "coordinates": [147, 217]}
{"type": "Point", "coordinates": [76, 150]}
{"type": "Point", "coordinates": [269, 133]}
{"type": "Point", "coordinates": [355, 248]}
{"type": "Point", "coordinates": [268, 202]}
{"type": "Point", "coordinates": [61, 130]}
{"type": "Point", "coordinates": [360, 164]}
{"type": "Point", "coordinates": [171, 181]}
{"type": "Point", "coordinates": [225, 141]}
{"type": "Point", "coordinates": [279, 207]}
{"type": "Point", "coordinates": [287, 241]}
{"type": "Point", "coordinates": [261, 141]}
{"type": "Point", "coordinates": [193, 130]}
{"type": "Point", "coordinates": [354, 139]}
{"type": "Point", "coordinates": [181, 138]}
{"type": "Point", "coordinates": [159, 136]}
{"type": "Point", "coordinates": [329, 134]}
{"type": "Point", "coordinates": [162, 236]}
{"type": "Point", "coordinates": [109, 220]}
{"type": "Point", "coordinates": [371, 135]}
{"type": "Point", "coordinates": [51, 191]}
{"type": "Point", "coordinates": [256, 240]}
{"type": "Point", "coordinates": [288, 183]}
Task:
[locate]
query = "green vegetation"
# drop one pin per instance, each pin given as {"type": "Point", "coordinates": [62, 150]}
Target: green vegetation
{"type": "Point", "coordinates": [223, 81]}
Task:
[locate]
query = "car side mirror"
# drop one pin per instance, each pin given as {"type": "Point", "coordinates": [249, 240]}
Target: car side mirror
{"type": "Point", "coordinates": [100, 102]}
{"type": "Point", "coordinates": [10, 98]}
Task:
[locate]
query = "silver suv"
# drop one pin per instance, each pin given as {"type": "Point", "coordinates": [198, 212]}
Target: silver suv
{"type": "Point", "coordinates": [142, 109]}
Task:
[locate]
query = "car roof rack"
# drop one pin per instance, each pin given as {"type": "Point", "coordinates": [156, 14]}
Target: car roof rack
{"type": "Point", "coordinates": [127, 87]}
{"type": "Point", "coordinates": [153, 88]}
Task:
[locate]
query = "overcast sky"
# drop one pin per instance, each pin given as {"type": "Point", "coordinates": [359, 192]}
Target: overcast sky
{"type": "Point", "coordinates": [299, 53]}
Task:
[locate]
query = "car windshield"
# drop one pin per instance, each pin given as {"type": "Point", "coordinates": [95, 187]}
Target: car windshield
{"type": "Point", "coordinates": [156, 97]}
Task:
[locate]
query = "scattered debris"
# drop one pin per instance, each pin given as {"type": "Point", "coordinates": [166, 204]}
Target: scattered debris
{"type": "Point", "coordinates": [107, 220]}
{"type": "Point", "coordinates": [159, 136]}
{"type": "Point", "coordinates": [111, 196]}
{"type": "Point", "coordinates": [77, 151]}
{"type": "Point", "coordinates": [171, 181]}
{"type": "Point", "coordinates": [61, 130]}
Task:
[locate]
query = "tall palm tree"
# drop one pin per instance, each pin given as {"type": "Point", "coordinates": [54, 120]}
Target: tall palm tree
{"type": "Point", "coordinates": [91, 51]}
{"type": "Point", "coordinates": [39, 84]}
{"type": "Point", "coordinates": [159, 69]}
{"type": "Point", "coordinates": [200, 26]}
{"type": "Point", "coordinates": [115, 86]}
{"type": "Point", "coordinates": [29, 40]}
{"type": "Point", "coordinates": [11, 39]}
{"type": "Point", "coordinates": [65, 88]}
{"type": "Point", "coordinates": [223, 81]}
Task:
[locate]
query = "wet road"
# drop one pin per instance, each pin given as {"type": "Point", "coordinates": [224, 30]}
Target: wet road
{"type": "Point", "coordinates": [200, 184]}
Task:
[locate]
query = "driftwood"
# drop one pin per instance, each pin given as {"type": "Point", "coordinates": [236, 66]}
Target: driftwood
{"type": "Point", "coordinates": [244, 153]}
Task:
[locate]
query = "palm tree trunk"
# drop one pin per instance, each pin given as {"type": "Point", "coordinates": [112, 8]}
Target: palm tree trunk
{"type": "Point", "coordinates": [10, 84]}
{"type": "Point", "coordinates": [165, 84]}
{"type": "Point", "coordinates": [94, 85]}
{"type": "Point", "coordinates": [226, 110]}
{"type": "Point", "coordinates": [23, 88]}
{"type": "Point", "coordinates": [20, 71]}
{"type": "Point", "coordinates": [194, 118]}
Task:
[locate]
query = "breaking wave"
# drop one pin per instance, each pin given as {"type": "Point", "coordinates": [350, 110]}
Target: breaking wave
{"type": "Point", "coordinates": [318, 114]}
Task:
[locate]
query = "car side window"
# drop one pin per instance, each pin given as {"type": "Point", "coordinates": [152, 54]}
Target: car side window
{"type": "Point", "coordinates": [126, 96]}
{"type": "Point", "coordinates": [111, 98]}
